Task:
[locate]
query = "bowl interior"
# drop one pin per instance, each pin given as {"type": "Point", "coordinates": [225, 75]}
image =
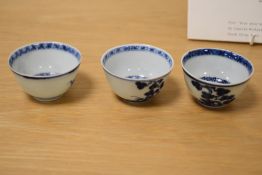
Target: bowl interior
{"type": "Point", "coordinates": [44, 59]}
{"type": "Point", "coordinates": [217, 66]}
{"type": "Point", "coordinates": [137, 62]}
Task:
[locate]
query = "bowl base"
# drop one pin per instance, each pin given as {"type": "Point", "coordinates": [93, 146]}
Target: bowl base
{"type": "Point", "coordinates": [47, 99]}
{"type": "Point", "coordinates": [210, 107]}
{"type": "Point", "coordinates": [134, 102]}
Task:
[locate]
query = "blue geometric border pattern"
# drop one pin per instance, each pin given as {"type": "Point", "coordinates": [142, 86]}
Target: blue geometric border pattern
{"type": "Point", "coordinates": [223, 53]}
{"type": "Point", "coordinates": [42, 46]}
{"type": "Point", "coordinates": [138, 48]}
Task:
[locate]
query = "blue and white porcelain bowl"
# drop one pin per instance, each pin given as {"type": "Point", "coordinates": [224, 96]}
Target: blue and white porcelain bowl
{"type": "Point", "coordinates": [45, 70]}
{"type": "Point", "coordinates": [136, 72]}
{"type": "Point", "coordinates": [215, 77]}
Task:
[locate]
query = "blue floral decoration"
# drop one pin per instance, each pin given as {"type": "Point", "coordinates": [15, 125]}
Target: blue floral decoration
{"type": "Point", "coordinates": [153, 89]}
{"type": "Point", "coordinates": [72, 82]}
{"type": "Point", "coordinates": [215, 80]}
{"type": "Point", "coordinates": [212, 96]}
{"type": "Point", "coordinates": [136, 77]}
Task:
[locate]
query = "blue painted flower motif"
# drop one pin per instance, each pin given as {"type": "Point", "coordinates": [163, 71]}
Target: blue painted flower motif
{"type": "Point", "coordinates": [136, 77]}
{"type": "Point", "coordinates": [46, 74]}
{"type": "Point", "coordinates": [72, 82]}
{"type": "Point", "coordinates": [212, 96]}
{"type": "Point", "coordinates": [153, 87]}
{"type": "Point", "coordinates": [215, 79]}
{"type": "Point", "coordinates": [141, 85]}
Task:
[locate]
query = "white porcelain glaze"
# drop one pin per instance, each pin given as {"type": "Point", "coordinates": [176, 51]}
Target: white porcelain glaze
{"type": "Point", "coordinates": [215, 77]}
{"type": "Point", "coordinates": [136, 72]}
{"type": "Point", "coordinates": [45, 70]}
{"type": "Point", "coordinates": [217, 66]}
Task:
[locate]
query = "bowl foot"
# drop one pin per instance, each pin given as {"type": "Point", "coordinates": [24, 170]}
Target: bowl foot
{"type": "Point", "coordinates": [134, 102]}
{"type": "Point", "coordinates": [47, 99]}
{"type": "Point", "coordinates": [210, 107]}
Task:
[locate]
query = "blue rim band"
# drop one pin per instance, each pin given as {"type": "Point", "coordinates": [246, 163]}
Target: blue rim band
{"type": "Point", "coordinates": [41, 46]}
{"type": "Point", "coordinates": [142, 48]}
{"type": "Point", "coordinates": [44, 46]}
{"type": "Point", "coordinates": [223, 53]}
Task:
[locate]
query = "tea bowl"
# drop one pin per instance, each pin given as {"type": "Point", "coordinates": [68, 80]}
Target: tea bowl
{"type": "Point", "coordinates": [45, 70]}
{"type": "Point", "coordinates": [215, 77]}
{"type": "Point", "coordinates": [136, 72]}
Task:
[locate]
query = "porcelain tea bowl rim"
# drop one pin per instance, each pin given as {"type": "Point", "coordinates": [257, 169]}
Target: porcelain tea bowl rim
{"type": "Point", "coordinates": [228, 52]}
{"type": "Point", "coordinates": [167, 55]}
{"type": "Point", "coordinates": [75, 53]}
